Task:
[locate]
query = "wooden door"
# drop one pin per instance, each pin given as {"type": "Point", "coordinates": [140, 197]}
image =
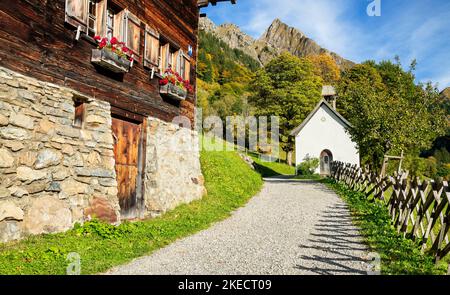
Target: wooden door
{"type": "Point", "coordinates": [325, 162]}
{"type": "Point", "coordinates": [127, 141]}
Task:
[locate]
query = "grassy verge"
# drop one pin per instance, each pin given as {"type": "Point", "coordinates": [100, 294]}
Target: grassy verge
{"type": "Point", "coordinates": [230, 184]}
{"type": "Point", "coordinates": [268, 169]}
{"type": "Point", "coordinates": [398, 254]}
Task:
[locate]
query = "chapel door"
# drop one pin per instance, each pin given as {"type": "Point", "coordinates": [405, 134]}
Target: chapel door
{"type": "Point", "coordinates": [127, 152]}
{"type": "Point", "coordinates": [325, 162]}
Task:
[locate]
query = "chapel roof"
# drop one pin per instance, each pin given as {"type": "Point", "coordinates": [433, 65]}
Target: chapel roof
{"type": "Point", "coordinates": [321, 103]}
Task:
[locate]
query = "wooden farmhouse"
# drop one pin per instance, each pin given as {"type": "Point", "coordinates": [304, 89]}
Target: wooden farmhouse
{"type": "Point", "coordinates": [97, 111]}
{"type": "Point", "coordinates": [323, 135]}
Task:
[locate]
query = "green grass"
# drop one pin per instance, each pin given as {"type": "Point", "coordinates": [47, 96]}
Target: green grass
{"type": "Point", "coordinates": [230, 184]}
{"type": "Point", "coordinates": [268, 169]}
{"type": "Point", "coordinates": [398, 254]}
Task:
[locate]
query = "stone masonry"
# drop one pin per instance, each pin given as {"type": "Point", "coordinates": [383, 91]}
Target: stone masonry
{"type": "Point", "coordinates": [173, 173]}
{"type": "Point", "coordinates": [53, 174]}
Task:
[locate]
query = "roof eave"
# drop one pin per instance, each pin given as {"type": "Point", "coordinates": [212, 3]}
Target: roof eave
{"type": "Point", "coordinates": [205, 3]}
{"type": "Point", "coordinates": [297, 130]}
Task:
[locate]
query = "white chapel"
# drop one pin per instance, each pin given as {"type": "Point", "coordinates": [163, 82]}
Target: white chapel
{"type": "Point", "coordinates": [323, 135]}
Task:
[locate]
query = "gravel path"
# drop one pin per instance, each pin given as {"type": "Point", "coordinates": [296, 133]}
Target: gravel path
{"type": "Point", "coordinates": [291, 227]}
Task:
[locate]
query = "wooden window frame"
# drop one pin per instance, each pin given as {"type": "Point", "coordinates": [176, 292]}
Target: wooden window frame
{"type": "Point", "coordinates": [92, 17]}
{"type": "Point", "coordinates": [185, 60]}
{"type": "Point", "coordinates": [110, 16]}
{"type": "Point", "coordinates": [88, 30]}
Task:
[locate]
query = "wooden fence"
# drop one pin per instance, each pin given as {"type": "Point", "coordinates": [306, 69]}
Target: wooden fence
{"type": "Point", "coordinates": [419, 209]}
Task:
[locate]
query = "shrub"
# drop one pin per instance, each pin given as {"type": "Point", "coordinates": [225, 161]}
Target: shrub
{"type": "Point", "coordinates": [420, 167]}
{"type": "Point", "coordinates": [308, 166]}
{"type": "Point", "coordinates": [416, 166]}
{"type": "Point", "coordinates": [444, 171]}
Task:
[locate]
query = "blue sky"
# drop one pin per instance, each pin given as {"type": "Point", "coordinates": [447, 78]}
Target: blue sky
{"type": "Point", "coordinates": [411, 29]}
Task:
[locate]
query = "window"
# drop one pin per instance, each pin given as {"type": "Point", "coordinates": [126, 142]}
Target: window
{"type": "Point", "coordinates": [151, 51]}
{"type": "Point", "coordinates": [110, 23]}
{"type": "Point", "coordinates": [80, 107]}
{"type": "Point", "coordinates": [115, 21]}
{"type": "Point", "coordinates": [87, 14]}
{"type": "Point", "coordinates": [92, 18]}
{"type": "Point", "coordinates": [104, 18]}
{"type": "Point", "coordinates": [176, 59]}
{"type": "Point", "coordinates": [185, 67]}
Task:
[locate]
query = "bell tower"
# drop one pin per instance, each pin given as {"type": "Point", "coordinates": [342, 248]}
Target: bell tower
{"type": "Point", "coordinates": [329, 94]}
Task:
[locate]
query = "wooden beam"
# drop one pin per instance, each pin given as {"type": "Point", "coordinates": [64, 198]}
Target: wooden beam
{"type": "Point", "coordinates": [205, 3]}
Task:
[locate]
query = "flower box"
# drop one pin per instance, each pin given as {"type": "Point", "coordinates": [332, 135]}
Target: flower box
{"type": "Point", "coordinates": [110, 60]}
{"type": "Point", "coordinates": [173, 91]}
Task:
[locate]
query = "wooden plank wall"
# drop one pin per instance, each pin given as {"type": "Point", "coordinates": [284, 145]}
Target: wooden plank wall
{"type": "Point", "coordinates": [35, 41]}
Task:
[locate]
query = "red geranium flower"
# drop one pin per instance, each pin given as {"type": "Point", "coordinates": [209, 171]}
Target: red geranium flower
{"type": "Point", "coordinates": [163, 82]}
{"type": "Point", "coordinates": [102, 44]}
{"type": "Point", "coordinates": [97, 38]}
{"type": "Point", "coordinates": [114, 40]}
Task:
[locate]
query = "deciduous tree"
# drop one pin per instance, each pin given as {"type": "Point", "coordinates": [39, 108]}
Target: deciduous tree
{"type": "Point", "coordinates": [287, 87]}
{"type": "Point", "coordinates": [388, 111]}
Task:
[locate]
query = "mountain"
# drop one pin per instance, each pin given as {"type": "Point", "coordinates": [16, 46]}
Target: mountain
{"type": "Point", "coordinates": [224, 74]}
{"type": "Point", "coordinates": [278, 38]}
{"type": "Point", "coordinates": [446, 93]}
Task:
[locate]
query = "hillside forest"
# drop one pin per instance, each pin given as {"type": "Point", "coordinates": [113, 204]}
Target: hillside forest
{"type": "Point", "coordinates": [388, 110]}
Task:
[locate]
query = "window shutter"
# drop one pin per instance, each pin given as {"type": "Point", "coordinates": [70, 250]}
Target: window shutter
{"type": "Point", "coordinates": [187, 70]}
{"type": "Point", "coordinates": [175, 63]}
{"type": "Point", "coordinates": [151, 54]}
{"type": "Point", "coordinates": [76, 13]}
{"type": "Point", "coordinates": [119, 26]}
{"type": "Point", "coordinates": [182, 65]}
{"type": "Point", "coordinates": [133, 32]}
{"type": "Point", "coordinates": [165, 51]}
{"type": "Point", "coordinates": [101, 18]}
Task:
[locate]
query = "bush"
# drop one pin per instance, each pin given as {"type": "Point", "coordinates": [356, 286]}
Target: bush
{"type": "Point", "coordinates": [444, 171]}
{"type": "Point", "coordinates": [308, 166]}
{"type": "Point", "coordinates": [421, 167]}
{"type": "Point", "coordinates": [416, 166]}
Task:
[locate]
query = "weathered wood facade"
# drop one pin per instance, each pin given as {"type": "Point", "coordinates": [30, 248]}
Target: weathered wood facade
{"type": "Point", "coordinates": [88, 131]}
{"type": "Point", "coordinates": [36, 40]}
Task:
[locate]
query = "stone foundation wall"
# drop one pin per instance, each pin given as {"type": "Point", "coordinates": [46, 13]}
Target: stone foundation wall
{"type": "Point", "coordinates": [51, 173]}
{"type": "Point", "coordinates": [173, 174]}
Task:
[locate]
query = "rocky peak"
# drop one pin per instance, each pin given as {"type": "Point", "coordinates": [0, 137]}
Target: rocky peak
{"type": "Point", "coordinates": [279, 33]}
{"type": "Point", "coordinates": [234, 37]}
{"type": "Point", "coordinates": [279, 37]}
{"type": "Point", "coordinates": [207, 25]}
{"type": "Point", "coordinates": [446, 93]}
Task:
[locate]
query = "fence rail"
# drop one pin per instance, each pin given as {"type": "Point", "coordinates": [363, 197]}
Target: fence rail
{"type": "Point", "coordinates": [418, 209]}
